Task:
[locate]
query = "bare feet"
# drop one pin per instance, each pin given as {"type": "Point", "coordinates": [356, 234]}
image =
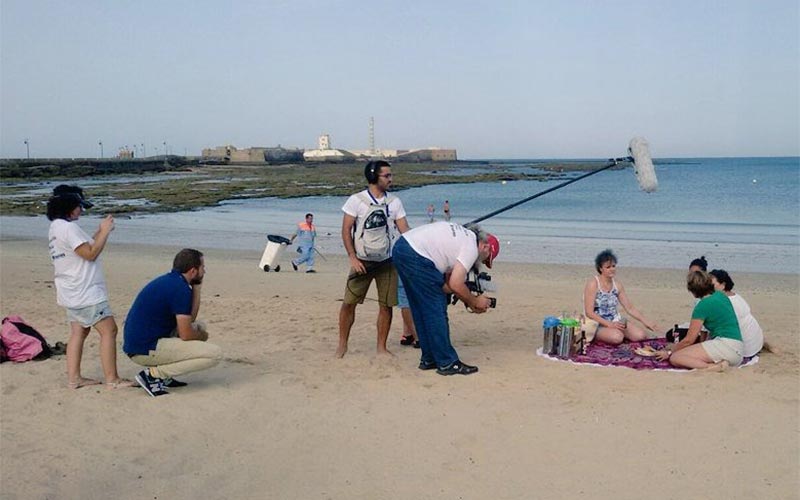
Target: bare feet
{"type": "Point", "coordinates": [120, 383]}
{"type": "Point", "coordinates": [718, 367]}
{"type": "Point", "coordinates": [82, 382]}
{"type": "Point", "coordinates": [340, 352]}
{"type": "Point", "coordinates": [770, 348]}
{"type": "Point", "coordinates": [384, 352]}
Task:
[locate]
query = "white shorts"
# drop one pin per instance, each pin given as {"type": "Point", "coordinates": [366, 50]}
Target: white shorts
{"type": "Point", "coordinates": [90, 315]}
{"type": "Point", "coordinates": [720, 348]}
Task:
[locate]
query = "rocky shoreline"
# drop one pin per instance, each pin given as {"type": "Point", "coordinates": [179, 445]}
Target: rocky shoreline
{"type": "Point", "coordinates": [186, 185]}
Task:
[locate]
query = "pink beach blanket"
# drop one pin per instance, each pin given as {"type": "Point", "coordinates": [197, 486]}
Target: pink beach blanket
{"type": "Point", "coordinates": [600, 353]}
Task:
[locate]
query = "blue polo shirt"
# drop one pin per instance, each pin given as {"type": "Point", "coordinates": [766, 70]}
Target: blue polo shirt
{"type": "Point", "coordinates": [152, 315]}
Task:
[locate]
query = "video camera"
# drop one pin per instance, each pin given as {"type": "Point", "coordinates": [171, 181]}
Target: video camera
{"type": "Point", "coordinates": [477, 284]}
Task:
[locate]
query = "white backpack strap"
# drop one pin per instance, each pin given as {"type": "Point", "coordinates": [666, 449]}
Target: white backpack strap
{"type": "Point", "coordinates": [364, 198]}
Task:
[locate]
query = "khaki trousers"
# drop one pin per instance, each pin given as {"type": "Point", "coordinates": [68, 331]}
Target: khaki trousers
{"type": "Point", "coordinates": [174, 357]}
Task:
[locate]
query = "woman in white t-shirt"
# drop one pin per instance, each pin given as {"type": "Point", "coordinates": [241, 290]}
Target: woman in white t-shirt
{"type": "Point", "coordinates": [80, 284]}
{"type": "Point", "coordinates": [752, 335]}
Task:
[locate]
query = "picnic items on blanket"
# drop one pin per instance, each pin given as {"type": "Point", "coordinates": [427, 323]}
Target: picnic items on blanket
{"type": "Point", "coordinates": [564, 337]}
{"type": "Point", "coordinates": [550, 326]}
{"type": "Point", "coordinates": [646, 351]}
{"type": "Point", "coordinates": [589, 328]}
{"type": "Point", "coordinates": [626, 355]}
{"type": "Point", "coordinates": [676, 333]}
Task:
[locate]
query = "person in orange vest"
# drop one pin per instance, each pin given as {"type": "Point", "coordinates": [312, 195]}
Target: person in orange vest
{"type": "Point", "coordinates": [306, 235]}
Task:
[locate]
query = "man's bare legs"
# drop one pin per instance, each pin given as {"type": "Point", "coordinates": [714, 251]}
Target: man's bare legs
{"type": "Point", "coordinates": [384, 324]}
{"type": "Point", "coordinates": [347, 315]}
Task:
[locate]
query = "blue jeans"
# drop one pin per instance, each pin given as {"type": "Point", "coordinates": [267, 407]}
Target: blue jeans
{"type": "Point", "coordinates": [306, 255]}
{"type": "Point", "coordinates": [423, 284]}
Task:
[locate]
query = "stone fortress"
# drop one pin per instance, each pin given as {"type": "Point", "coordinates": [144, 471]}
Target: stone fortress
{"type": "Point", "coordinates": [325, 152]}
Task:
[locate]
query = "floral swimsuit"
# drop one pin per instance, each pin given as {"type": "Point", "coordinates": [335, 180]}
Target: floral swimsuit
{"type": "Point", "coordinates": [605, 303]}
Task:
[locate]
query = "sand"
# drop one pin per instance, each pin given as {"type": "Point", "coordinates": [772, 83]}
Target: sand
{"type": "Point", "coordinates": [280, 418]}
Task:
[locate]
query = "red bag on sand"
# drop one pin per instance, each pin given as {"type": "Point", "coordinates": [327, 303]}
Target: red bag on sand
{"type": "Point", "coordinates": [19, 346]}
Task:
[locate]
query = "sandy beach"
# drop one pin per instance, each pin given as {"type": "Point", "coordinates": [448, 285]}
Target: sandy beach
{"type": "Point", "coordinates": [280, 418]}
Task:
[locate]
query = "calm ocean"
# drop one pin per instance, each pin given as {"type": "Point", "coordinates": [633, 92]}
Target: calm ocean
{"type": "Point", "coordinates": [743, 214]}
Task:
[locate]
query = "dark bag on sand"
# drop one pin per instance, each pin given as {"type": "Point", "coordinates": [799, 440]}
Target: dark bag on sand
{"type": "Point", "coordinates": [676, 334]}
{"type": "Point", "coordinates": [21, 342]}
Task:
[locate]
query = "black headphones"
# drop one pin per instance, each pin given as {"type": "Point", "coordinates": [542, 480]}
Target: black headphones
{"type": "Point", "coordinates": [372, 168]}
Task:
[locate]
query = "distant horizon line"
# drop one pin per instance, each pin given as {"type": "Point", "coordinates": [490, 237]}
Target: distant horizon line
{"type": "Point", "coordinates": [574, 159]}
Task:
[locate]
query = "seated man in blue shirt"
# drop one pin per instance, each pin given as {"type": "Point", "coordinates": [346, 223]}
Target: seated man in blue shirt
{"type": "Point", "coordinates": [160, 332]}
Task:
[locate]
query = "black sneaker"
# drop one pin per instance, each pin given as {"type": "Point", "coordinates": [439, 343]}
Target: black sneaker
{"type": "Point", "coordinates": [311, 271]}
{"type": "Point", "coordinates": [154, 386]}
{"type": "Point", "coordinates": [427, 365]}
{"type": "Point", "coordinates": [294, 266]}
{"type": "Point", "coordinates": [171, 382]}
{"type": "Point", "coordinates": [457, 368]}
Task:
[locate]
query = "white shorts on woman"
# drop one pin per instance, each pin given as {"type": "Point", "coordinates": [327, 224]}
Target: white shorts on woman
{"type": "Point", "coordinates": [722, 348]}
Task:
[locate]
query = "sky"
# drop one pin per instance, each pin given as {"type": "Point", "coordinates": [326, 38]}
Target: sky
{"type": "Point", "coordinates": [492, 79]}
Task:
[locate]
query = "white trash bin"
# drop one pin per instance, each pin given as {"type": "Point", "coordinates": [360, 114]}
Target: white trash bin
{"type": "Point", "coordinates": [273, 252]}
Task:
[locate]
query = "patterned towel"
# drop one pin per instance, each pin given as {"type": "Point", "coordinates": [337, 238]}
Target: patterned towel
{"type": "Point", "coordinates": [600, 353]}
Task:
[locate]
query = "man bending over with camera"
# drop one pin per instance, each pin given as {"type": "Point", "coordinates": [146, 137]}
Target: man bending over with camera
{"type": "Point", "coordinates": [433, 260]}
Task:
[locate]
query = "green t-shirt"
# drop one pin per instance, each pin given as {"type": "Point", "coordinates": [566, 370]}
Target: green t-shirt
{"type": "Point", "coordinates": [716, 312]}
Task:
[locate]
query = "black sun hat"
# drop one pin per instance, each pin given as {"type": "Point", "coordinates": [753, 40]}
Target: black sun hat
{"type": "Point", "coordinates": [67, 190]}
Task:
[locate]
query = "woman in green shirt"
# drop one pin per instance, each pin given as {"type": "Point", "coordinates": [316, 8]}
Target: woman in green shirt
{"type": "Point", "coordinates": [715, 313]}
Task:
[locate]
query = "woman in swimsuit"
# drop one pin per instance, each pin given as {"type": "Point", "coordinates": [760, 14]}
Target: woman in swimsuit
{"type": "Point", "coordinates": [602, 296]}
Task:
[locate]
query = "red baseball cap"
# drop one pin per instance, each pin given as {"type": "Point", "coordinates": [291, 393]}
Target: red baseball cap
{"type": "Point", "coordinates": [494, 246]}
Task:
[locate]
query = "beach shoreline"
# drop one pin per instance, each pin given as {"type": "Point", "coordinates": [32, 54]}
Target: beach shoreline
{"type": "Point", "coordinates": [281, 418]}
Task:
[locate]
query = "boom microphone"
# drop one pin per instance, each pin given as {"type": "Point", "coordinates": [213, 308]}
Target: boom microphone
{"type": "Point", "coordinates": [643, 164]}
{"type": "Point", "coordinates": [639, 152]}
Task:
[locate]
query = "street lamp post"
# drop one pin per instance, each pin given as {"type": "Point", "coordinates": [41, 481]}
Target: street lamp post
{"type": "Point", "coordinates": [100, 143]}
{"type": "Point", "coordinates": [28, 148]}
{"type": "Point", "coordinates": [165, 148]}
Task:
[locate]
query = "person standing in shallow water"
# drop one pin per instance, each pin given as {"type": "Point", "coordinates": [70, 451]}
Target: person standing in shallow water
{"type": "Point", "coordinates": [430, 212]}
{"type": "Point", "coordinates": [446, 210]}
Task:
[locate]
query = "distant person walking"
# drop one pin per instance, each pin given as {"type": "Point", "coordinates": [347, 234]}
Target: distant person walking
{"type": "Point", "coordinates": [306, 235]}
{"type": "Point", "coordinates": [431, 210]}
{"type": "Point", "coordinates": [446, 210]}
{"type": "Point", "coordinates": [80, 284]}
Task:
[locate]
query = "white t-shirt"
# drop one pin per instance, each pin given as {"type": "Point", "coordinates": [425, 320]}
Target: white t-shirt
{"type": "Point", "coordinates": [752, 335]}
{"type": "Point", "coordinates": [444, 243]}
{"type": "Point", "coordinates": [356, 207]}
{"type": "Point", "coordinates": [79, 282]}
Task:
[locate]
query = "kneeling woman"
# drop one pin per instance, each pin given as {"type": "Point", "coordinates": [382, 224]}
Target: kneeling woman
{"type": "Point", "coordinates": [724, 346]}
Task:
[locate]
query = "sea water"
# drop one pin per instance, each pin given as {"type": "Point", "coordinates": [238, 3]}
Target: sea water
{"type": "Point", "coordinates": [743, 214]}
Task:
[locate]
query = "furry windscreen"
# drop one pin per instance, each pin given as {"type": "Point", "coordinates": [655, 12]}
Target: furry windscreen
{"type": "Point", "coordinates": [643, 164]}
